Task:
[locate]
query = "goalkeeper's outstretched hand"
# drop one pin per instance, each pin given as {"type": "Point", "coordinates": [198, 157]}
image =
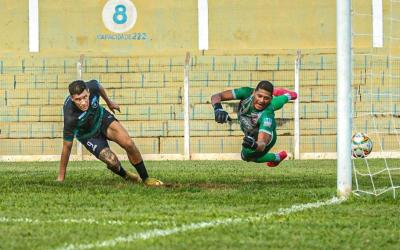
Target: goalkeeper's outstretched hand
{"type": "Point", "coordinates": [221, 116]}
{"type": "Point", "coordinates": [249, 142]}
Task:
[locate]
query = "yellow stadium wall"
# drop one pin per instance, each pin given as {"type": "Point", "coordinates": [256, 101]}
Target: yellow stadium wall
{"type": "Point", "coordinates": [273, 24]}
{"type": "Point", "coordinates": [70, 27]}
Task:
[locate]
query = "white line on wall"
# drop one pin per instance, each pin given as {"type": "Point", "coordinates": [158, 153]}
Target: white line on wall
{"type": "Point", "coordinates": [202, 6]}
{"type": "Point", "coordinates": [377, 24]}
{"type": "Point", "coordinates": [33, 25]}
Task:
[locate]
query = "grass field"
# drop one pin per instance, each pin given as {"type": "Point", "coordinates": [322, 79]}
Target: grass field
{"type": "Point", "coordinates": [210, 205]}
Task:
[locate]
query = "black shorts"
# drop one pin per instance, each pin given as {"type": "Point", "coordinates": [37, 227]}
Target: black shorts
{"type": "Point", "coordinates": [98, 142]}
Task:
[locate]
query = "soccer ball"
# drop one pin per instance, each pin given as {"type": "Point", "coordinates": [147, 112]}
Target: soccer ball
{"type": "Point", "coordinates": [361, 145]}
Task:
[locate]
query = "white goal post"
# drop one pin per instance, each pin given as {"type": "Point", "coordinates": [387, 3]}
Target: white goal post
{"type": "Point", "coordinates": [344, 97]}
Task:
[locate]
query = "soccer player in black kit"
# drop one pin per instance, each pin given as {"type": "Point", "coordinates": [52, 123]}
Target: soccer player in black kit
{"type": "Point", "coordinates": [93, 125]}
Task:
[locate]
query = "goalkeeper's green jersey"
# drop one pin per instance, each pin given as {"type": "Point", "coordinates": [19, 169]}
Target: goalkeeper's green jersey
{"type": "Point", "coordinates": [253, 121]}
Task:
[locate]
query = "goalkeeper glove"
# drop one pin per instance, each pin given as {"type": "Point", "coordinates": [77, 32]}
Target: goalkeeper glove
{"type": "Point", "coordinates": [221, 116]}
{"type": "Point", "coordinates": [249, 142]}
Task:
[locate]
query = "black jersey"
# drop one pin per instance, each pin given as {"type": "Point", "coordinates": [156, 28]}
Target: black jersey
{"type": "Point", "coordinates": [83, 124]}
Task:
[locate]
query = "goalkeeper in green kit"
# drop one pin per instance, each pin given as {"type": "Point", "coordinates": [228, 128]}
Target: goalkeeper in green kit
{"type": "Point", "coordinates": [256, 116]}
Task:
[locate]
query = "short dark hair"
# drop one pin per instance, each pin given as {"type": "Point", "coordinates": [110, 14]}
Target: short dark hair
{"type": "Point", "coordinates": [265, 85]}
{"type": "Point", "coordinates": [77, 87]}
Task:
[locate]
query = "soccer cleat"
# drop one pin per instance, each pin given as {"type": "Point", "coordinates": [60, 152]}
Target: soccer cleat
{"type": "Point", "coordinates": [280, 91]}
{"type": "Point", "coordinates": [134, 178]}
{"type": "Point", "coordinates": [282, 156]}
{"type": "Point", "coordinates": [153, 182]}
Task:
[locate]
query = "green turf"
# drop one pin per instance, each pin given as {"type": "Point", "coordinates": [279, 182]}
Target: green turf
{"type": "Point", "coordinates": [36, 212]}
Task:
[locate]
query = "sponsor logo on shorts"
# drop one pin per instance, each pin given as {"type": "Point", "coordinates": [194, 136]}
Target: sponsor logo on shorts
{"type": "Point", "coordinates": [91, 145]}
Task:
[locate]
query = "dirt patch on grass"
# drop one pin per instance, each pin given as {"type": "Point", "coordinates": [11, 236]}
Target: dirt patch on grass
{"type": "Point", "coordinates": [200, 185]}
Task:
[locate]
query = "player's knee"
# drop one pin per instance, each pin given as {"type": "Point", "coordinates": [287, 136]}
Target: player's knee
{"type": "Point", "coordinates": [244, 157]}
{"type": "Point", "coordinates": [130, 147]}
{"type": "Point", "coordinates": [114, 160]}
{"type": "Point", "coordinates": [127, 143]}
{"type": "Point", "coordinates": [107, 156]}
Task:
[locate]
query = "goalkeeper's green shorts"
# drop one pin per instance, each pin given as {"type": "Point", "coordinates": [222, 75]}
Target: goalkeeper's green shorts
{"type": "Point", "coordinates": [248, 154]}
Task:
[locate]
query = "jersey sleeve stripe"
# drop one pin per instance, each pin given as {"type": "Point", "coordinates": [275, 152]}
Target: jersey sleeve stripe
{"type": "Point", "coordinates": [266, 131]}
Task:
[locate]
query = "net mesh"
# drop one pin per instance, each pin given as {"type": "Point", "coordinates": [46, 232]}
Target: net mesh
{"type": "Point", "coordinates": [376, 93]}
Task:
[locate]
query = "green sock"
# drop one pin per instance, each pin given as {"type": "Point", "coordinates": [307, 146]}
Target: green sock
{"type": "Point", "coordinates": [266, 158]}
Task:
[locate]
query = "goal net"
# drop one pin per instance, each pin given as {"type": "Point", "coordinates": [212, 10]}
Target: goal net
{"type": "Point", "coordinates": [376, 96]}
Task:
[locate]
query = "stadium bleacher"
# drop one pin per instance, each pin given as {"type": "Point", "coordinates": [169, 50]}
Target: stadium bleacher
{"type": "Point", "coordinates": [150, 92]}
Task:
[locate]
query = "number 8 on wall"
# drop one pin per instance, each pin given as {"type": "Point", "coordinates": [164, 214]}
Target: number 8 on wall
{"type": "Point", "coordinates": [119, 16]}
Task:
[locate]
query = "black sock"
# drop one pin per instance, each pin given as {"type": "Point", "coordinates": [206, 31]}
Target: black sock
{"type": "Point", "coordinates": [119, 171]}
{"type": "Point", "coordinates": [141, 169]}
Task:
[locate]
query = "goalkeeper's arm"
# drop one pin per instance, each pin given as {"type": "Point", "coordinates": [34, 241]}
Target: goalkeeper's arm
{"type": "Point", "coordinates": [66, 152]}
{"type": "Point", "coordinates": [258, 145]}
{"type": "Point", "coordinates": [221, 116]}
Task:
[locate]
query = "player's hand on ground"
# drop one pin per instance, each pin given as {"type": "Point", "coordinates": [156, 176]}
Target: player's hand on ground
{"type": "Point", "coordinates": [113, 106]}
{"type": "Point", "coordinates": [221, 116]}
{"type": "Point", "coordinates": [153, 182]}
{"type": "Point", "coordinates": [249, 142]}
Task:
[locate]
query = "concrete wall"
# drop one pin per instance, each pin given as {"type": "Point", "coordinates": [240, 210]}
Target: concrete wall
{"type": "Point", "coordinates": [14, 26]}
{"type": "Point", "coordinates": [72, 27]}
{"type": "Point", "coordinates": [273, 24]}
